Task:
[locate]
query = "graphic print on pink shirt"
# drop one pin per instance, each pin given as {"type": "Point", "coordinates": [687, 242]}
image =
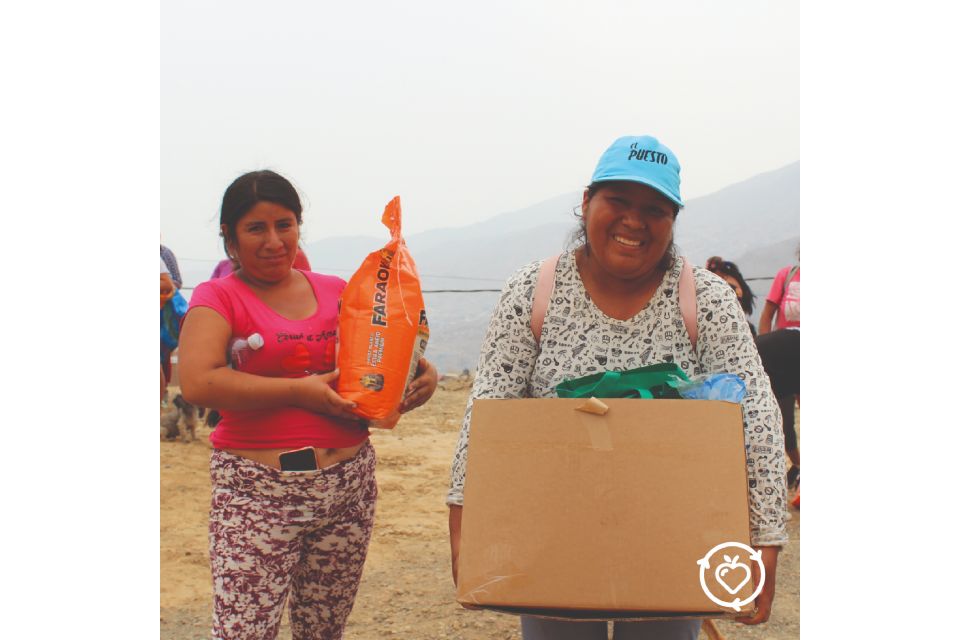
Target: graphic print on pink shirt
{"type": "Point", "coordinates": [790, 306]}
{"type": "Point", "coordinates": [290, 355]}
{"type": "Point", "coordinates": [298, 361]}
{"type": "Point", "coordinates": [787, 298]}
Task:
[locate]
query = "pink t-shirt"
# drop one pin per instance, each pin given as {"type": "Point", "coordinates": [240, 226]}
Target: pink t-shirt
{"type": "Point", "coordinates": [787, 301]}
{"type": "Point", "coordinates": [222, 270]}
{"type": "Point", "coordinates": [291, 349]}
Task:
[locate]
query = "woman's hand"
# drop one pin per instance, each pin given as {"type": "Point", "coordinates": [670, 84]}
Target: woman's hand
{"type": "Point", "coordinates": [765, 599]}
{"type": "Point", "coordinates": [456, 517]}
{"type": "Point", "coordinates": [421, 387]}
{"type": "Point", "coordinates": [314, 393]}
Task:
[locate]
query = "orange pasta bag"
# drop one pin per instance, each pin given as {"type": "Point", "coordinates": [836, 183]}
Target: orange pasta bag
{"type": "Point", "coordinates": [383, 329]}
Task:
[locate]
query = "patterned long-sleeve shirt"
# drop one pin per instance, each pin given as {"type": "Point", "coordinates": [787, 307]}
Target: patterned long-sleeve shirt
{"type": "Point", "coordinates": [579, 339]}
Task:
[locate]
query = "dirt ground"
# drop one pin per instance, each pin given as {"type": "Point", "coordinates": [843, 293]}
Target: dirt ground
{"type": "Point", "coordinates": [406, 590]}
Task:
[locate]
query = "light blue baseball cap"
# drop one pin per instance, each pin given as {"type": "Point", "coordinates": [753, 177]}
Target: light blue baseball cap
{"type": "Point", "coordinates": [642, 159]}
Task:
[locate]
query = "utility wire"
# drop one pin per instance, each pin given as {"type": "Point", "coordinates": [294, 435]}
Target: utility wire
{"type": "Point", "coordinates": [468, 290]}
{"type": "Point", "coordinates": [422, 290]}
{"type": "Point", "coordinates": [427, 275]}
{"type": "Point", "coordinates": [461, 290]}
{"type": "Point", "coordinates": [422, 275]}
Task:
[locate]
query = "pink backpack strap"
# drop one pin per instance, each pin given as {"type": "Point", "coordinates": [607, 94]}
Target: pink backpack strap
{"type": "Point", "coordinates": [688, 301]}
{"type": "Point", "coordinates": [542, 295]}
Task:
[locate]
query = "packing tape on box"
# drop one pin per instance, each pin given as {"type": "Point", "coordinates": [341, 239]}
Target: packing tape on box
{"type": "Point", "coordinates": [596, 427]}
{"type": "Point", "coordinates": [594, 406]}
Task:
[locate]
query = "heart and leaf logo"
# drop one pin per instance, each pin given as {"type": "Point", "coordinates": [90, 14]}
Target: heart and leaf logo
{"type": "Point", "coordinates": [732, 574]}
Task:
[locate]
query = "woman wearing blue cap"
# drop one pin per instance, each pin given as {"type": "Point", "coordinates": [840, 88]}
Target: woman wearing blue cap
{"type": "Point", "coordinates": [615, 305]}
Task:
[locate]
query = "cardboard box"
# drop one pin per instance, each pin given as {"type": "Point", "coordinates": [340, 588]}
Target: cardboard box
{"type": "Point", "coordinates": [575, 515]}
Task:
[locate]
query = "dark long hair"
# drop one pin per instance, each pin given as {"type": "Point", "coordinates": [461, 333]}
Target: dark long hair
{"type": "Point", "coordinates": [249, 189]}
{"type": "Point", "coordinates": [718, 265]}
{"type": "Point", "coordinates": [579, 236]}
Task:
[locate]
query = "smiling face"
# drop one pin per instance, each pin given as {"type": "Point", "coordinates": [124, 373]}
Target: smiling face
{"type": "Point", "coordinates": [264, 242]}
{"type": "Point", "coordinates": [629, 228]}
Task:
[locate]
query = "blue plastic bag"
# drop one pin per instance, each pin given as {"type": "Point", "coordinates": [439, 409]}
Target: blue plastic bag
{"type": "Point", "coordinates": [171, 314]}
{"type": "Point", "coordinates": [716, 386]}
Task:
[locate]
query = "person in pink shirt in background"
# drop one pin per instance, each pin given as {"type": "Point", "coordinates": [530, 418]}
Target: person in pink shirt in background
{"type": "Point", "coordinates": [780, 352]}
{"type": "Point", "coordinates": [224, 268]}
{"type": "Point", "coordinates": [783, 301]}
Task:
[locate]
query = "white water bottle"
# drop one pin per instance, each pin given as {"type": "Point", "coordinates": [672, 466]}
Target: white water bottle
{"type": "Point", "coordinates": [241, 349]}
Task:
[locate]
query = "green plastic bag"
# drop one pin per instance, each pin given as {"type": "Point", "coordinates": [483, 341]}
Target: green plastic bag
{"type": "Point", "coordinates": [653, 381]}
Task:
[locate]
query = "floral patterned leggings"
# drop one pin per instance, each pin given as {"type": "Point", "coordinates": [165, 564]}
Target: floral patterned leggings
{"type": "Point", "coordinates": [274, 533]}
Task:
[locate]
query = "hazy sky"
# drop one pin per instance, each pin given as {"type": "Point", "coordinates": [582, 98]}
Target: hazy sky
{"type": "Point", "coordinates": [465, 110]}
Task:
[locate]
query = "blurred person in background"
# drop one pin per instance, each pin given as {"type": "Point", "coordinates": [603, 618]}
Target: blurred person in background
{"type": "Point", "coordinates": [732, 276]}
{"type": "Point", "coordinates": [172, 307]}
{"type": "Point", "coordinates": [174, 281]}
{"type": "Point", "coordinates": [170, 261]}
{"type": "Point", "coordinates": [166, 293]}
{"type": "Point", "coordinates": [780, 351]}
{"type": "Point", "coordinates": [783, 301]}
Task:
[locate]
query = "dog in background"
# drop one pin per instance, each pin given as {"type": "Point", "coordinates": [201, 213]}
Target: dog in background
{"type": "Point", "coordinates": [179, 419]}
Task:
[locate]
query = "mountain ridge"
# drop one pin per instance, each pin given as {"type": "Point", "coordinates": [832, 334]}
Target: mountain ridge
{"type": "Point", "coordinates": [754, 222]}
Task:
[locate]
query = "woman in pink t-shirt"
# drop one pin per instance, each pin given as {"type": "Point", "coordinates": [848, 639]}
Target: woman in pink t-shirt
{"type": "Point", "coordinates": [780, 352]}
{"type": "Point", "coordinates": [783, 301]}
{"type": "Point", "coordinates": [259, 345]}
